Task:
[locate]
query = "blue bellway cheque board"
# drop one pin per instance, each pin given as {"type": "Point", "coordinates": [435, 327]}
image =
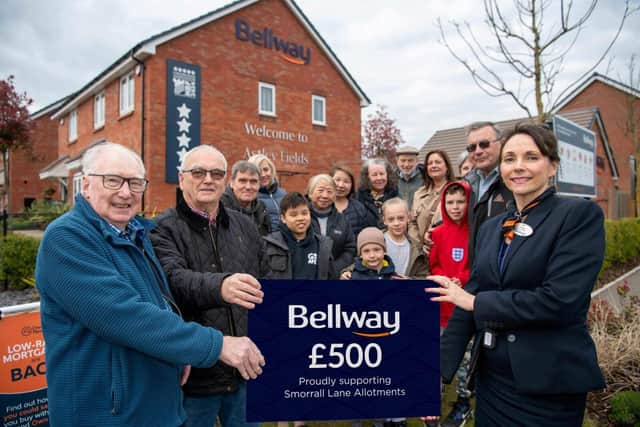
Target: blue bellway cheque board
{"type": "Point", "coordinates": [345, 350]}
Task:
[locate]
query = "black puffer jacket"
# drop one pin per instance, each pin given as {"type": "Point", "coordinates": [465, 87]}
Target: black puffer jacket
{"type": "Point", "coordinates": [359, 217]}
{"type": "Point", "coordinates": [338, 230]}
{"type": "Point", "coordinates": [196, 258]}
{"type": "Point", "coordinates": [257, 211]}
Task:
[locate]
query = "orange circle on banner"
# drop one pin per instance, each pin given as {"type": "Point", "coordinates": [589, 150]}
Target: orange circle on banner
{"type": "Point", "coordinates": [22, 349]}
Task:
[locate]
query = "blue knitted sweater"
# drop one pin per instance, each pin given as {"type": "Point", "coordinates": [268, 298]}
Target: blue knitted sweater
{"type": "Point", "coordinates": [115, 349]}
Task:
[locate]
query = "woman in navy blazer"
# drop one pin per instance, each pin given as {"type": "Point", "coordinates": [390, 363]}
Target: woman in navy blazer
{"type": "Point", "coordinates": [527, 300]}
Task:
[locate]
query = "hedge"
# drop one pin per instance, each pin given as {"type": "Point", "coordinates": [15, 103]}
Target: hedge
{"type": "Point", "coordinates": [18, 259]}
{"type": "Point", "coordinates": [622, 241]}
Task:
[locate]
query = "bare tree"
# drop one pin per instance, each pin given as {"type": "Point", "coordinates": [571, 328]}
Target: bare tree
{"type": "Point", "coordinates": [530, 46]}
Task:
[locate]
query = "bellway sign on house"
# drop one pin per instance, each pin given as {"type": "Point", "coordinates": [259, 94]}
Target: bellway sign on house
{"type": "Point", "coordinates": [290, 51]}
{"type": "Point", "coordinates": [183, 115]}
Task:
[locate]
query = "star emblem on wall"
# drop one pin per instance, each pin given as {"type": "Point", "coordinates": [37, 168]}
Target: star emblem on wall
{"type": "Point", "coordinates": [184, 125]}
{"type": "Point", "coordinates": [183, 111]}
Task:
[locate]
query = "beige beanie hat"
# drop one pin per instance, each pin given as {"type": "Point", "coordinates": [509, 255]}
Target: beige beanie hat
{"type": "Point", "coordinates": [371, 235]}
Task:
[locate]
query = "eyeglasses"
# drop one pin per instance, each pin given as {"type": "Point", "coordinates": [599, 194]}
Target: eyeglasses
{"type": "Point", "coordinates": [484, 144]}
{"type": "Point", "coordinates": [200, 173]}
{"type": "Point", "coordinates": [115, 182]}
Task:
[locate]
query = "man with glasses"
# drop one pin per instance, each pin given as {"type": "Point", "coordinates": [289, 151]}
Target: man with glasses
{"type": "Point", "coordinates": [116, 349]}
{"type": "Point", "coordinates": [489, 197]}
{"type": "Point", "coordinates": [212, 256]}
{"type": "Point", "coordinates": [242, 195]}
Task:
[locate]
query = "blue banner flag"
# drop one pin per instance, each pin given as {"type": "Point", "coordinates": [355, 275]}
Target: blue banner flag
{"type": "Point", "coordinates": [183, 114]}
{"type": "Point", "coordinates": [345, 350]}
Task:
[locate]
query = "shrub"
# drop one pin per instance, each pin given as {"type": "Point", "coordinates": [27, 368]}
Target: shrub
{"type": "Point", "coordinates": [617, 339]}
{"type": "Point", "coordinates": [625, 408]}
{"type": "Point", "coordinates": [42, 212]}
{"type": "Point", "coordinates": [622, 243]}
{"type": "Point", "coordinates": [18, 259]}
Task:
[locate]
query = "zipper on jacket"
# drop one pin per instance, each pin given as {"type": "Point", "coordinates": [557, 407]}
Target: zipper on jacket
{"type": "Point", "coordinates": [214, 246]}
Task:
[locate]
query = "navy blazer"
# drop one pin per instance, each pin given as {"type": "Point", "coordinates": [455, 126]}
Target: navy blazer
{"type": "Point", "coordinates": [540, 300]}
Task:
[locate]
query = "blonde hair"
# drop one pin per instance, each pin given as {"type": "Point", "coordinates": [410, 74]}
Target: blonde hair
{"type": "Point", "coordinates": [396, 201]}
{"type": "Point", "coordinates": [256, 159]}
{"type": "Point", "coordinates": [316, 179]}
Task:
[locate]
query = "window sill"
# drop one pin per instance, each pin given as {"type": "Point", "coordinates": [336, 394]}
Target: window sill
{"type": "Point", "coordinates": [125, 114]}
{"type": "Point", "coordinates": [98, 128]}
{"type": "Point", "coordinates": [265, 114]}
{"type": "Point", "coordinates": [318, 124]}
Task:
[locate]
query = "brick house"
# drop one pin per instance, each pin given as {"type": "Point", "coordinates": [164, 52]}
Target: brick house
{"type": "Point", "coordinates": [618, 104]}
{"type": "Point", "coordinates": [251, 77]}
{"type": "Point", "coordinates": [25, 186]}
{"type": "Point", "coordinates": [601, 105]}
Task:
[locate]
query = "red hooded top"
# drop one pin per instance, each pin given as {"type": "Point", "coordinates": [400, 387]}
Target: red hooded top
{"type": "Point", "coordinates": [448, 256]}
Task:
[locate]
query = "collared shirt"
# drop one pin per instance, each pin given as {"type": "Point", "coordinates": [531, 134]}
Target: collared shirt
{"type": "Point", "coordinates": [485, 182]}
{"type": "Point", "coordinates": [133, 231]}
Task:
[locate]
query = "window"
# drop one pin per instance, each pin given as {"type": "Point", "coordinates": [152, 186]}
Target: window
{"type": "Point", "coordinates": [73, 125]}
{"type": "Point", "coordinates": [318, 116]}
{"type": "Point", "coordinates": [266, 99]}
{"type": "Point", "coordinates": [98, 110]}
{"type": "Point", "coordinates": [127, 93]}
{"type": "Point", "coordinates": [77, 183]}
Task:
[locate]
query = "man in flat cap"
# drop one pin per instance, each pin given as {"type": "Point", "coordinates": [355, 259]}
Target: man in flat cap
{"type": "Point", "coordinates": [409, 173]}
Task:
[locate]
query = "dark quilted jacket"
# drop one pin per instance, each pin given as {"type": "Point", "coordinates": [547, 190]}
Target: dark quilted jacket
{"type": "Point", "coordinates": [196, 258]}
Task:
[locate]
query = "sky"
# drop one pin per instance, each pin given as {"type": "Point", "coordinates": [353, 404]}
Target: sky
{"type": "Point", "coordinates": [391, 48]}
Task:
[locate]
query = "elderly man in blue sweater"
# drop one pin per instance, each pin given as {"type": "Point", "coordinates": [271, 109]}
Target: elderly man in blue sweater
{"type": "Point", "coordinates": [117, 350]}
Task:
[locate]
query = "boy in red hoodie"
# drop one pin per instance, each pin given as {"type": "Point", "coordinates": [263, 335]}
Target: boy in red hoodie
{"type": "Point", "coordinates": [448, 256]}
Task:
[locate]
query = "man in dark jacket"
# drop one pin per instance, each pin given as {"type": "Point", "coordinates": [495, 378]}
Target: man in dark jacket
{"type": "Point", "coordinates": [242, 195]}
{"type": "Point", "coordinates": [211, 256]}
{"type": "Point", "coordinates": [489, 197]}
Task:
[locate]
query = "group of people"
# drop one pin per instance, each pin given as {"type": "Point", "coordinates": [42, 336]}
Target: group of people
{"type": "Point", "coordinates": [145, 321]}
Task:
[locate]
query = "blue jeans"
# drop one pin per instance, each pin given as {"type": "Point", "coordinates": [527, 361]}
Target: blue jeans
{"type": "Point", "coordinates": [202, 411]}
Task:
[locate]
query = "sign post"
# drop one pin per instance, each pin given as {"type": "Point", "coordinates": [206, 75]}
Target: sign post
{"type": "Point", "coordinates": [577, 148]}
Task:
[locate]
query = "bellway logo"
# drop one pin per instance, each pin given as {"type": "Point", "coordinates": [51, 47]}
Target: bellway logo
{"type": "Point", "coordinates": [334, 318]}
{"type": "Point", "coordinates": [290, 51]}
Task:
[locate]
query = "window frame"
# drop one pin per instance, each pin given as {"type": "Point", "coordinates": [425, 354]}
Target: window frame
{"type": "Point", "coordinates": [99, 110]}
{"type": "Point", "coordinates": [315, 98]}
{"type": "Point", "coordinates": [77, 184]}
{"type": "Point", "coordinates": [73, 125]}
{"type": "Point", "coordinates": [272, 87]}
{"type": "Point", "coordinates": [127, 81]}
